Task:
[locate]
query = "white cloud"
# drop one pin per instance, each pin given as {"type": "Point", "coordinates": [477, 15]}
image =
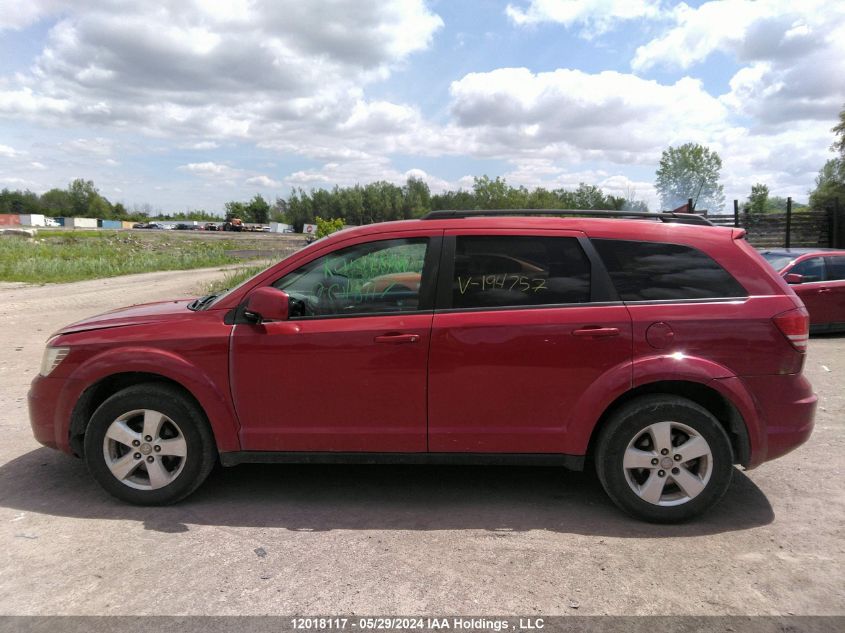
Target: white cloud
{"type": "Point", "coordinates": [595, 17]}
{"type": "Point", "coordinates": [8, 152]}
{"type": "Point", "coordinates": [747, 29]}
{"type": "Point", "coordinates": [210, 170]}
{"type": "Point", "coordinates": [574, 115]}
{"type": "Point", "coordinates": [264, 181]}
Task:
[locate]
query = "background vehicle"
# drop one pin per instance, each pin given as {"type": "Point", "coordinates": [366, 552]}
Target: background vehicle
{"type": "Point", "coordinates": [210, 226]}
{"type": "Point", "coordinates": [818, 278]}
{"type": "Point", "coordinates": [666, 352]}
{"type": "Point", "coordinates": [232, 224]}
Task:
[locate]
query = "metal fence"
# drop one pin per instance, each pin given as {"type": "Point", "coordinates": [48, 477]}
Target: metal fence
{"type": "Point", "coordinates": [817, 228]}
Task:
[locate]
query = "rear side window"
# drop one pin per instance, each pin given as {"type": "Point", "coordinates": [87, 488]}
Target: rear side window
{"type": "Point", "coordinates": [656, 271]}
{"type": "Point", "coordinates": [836, 268]}
{"type": "Point", "coordinates": [519, 270]}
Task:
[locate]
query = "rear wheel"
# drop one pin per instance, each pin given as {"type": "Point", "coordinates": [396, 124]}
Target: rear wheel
{"type": "Point", "coordinates": [149, 444]}
{"type": "Point", "coordinates": [664, 459]}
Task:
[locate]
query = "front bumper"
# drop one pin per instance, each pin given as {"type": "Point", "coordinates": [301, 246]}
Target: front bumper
{"type": "Point", "coordinates": [50, 410]}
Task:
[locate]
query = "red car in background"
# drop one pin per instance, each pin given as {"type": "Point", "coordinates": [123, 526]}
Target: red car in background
{"type": "Point", "coordinates": [817, 275]}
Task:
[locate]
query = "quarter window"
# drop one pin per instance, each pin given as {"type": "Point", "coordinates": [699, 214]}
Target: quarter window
{"type": "Point", "coordinates": [375, 277]}
{"type": "Point", "coordinates": [653, 271]}
{"type": "Point", "coordinates": [511, 271]}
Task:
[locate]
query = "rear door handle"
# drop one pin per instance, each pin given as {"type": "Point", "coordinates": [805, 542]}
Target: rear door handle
{"type": "Point", "coordinates": [597, 332]}
{"type": "Point", "coordinates": [824, 290]}
{"type": "Point", "coordinates": [398, 339]}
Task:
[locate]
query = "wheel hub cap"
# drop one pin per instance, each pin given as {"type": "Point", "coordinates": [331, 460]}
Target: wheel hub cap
{"type": "Point", "coordinates": [144, 449]}
{"type": "Point", "coordinates": [667, 464]}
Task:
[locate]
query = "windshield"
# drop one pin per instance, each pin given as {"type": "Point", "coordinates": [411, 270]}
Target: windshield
{"type": "Point", "coordinates": [778, 261]}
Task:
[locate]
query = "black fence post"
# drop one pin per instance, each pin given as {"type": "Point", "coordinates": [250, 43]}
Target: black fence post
{"type": "Point", "coordinates": [736, 213]}
{"type": "Point", "coordinates": [788, 221]}
{"type": "Point", "coordinates": [690, 208]}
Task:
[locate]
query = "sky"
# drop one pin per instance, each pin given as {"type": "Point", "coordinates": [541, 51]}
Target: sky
{"type": "Point", "coordinates": [187, 104]}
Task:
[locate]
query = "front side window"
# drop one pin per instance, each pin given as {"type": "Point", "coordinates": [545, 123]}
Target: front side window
{"type": "Point", "coordinates": [375, 277]}
{"type": "Point", "coordinates": [657, 271]}
{"type": "Point", "coordinates": [811, 269]}
{"type": "Point", "coordinates": [518, 270]}
{"type": "Point", "coordinates": [836, 268]}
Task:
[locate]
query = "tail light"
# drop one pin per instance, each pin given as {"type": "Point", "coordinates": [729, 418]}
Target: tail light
{"type": "Point", "coordinates": [795, 326]}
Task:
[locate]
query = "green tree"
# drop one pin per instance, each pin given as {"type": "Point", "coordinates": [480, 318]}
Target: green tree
{"type": "Point", "coordinates": [758, 201]}
{"type": "Point", "coordinates": [690, 171]}
{"type": "Point", "coordinates": [258, 210]}
{"type": "Point", "coordinates": [839, 130]}
{"type": "Point", "coordinates": [830, 185]}
{"type": "Point", "coordinates": [327, 227]}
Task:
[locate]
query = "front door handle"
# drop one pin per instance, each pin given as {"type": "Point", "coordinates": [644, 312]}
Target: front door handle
{"type": "Point", "coordinates": [824, 290]}
{"type": "Point", "coordinates": [597, 332]}
{"type": "Point", "coordinates": [398, 339]}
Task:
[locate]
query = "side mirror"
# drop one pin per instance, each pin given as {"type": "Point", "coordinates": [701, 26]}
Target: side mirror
{"type": "Point", "coordinates": [794, 278]}
{"type": "Point", "coordinates": [267, 304]}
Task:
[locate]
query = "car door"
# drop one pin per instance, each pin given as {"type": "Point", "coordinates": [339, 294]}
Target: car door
{"type": "Point", "coordinates": [515, 340]}
{"type": "Point", "coordinates": [813, 290]}
{"type": "Point", "coordinates": [836, 285]}
{"type": "Point", "coordinates": [348, 370]}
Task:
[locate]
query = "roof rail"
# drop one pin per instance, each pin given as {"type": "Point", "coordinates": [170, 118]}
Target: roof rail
{"type": "Point", "coordinates": [669, 217]}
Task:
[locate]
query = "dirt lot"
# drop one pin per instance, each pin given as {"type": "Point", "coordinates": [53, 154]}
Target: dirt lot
{"type": "Point", "coordinates": [398, 540]}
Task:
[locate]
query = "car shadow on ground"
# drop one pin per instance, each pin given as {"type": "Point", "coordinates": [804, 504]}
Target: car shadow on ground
{"type": "Point", "coordinates": [344, 497]}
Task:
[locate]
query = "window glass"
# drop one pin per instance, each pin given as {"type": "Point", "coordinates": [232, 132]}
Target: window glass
{"type": "Point", "coordinates": [652, 271]}
{"type": "Point", "coordinates": [811, 269]}
{"type": "Point", "coordinates": [374, 277]}
{"type": "Point", "coordinates": [836, 268]}
{"type": "Point", "coordinates": [492, 270]}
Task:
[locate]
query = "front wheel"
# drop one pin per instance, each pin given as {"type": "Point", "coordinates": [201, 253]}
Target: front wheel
{"type": "Point", "coordinates": [664, 459]}
{"type": "Point", "coordinates": [149, 445]}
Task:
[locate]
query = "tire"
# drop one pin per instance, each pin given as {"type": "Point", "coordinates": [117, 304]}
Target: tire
{"type": "Point", "coordinates": [661, 429]}
{"type": "Point", "coordinates": [160, 471]}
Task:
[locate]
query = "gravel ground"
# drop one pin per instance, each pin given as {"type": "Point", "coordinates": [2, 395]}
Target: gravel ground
{"type": "Point", "coordinates": [398, 540]}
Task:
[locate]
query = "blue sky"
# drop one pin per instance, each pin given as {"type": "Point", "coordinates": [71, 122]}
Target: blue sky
{"type": "Point", "coordinates": [188, 104]}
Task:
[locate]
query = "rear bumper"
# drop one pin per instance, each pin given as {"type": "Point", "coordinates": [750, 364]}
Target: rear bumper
{"type": "Point", "coordinates": [778, 411]}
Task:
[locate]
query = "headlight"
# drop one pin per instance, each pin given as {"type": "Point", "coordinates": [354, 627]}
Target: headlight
{"type": "Point", "coordinates": [51, 359]}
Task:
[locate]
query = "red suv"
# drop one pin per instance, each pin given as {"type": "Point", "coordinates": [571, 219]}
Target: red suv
{"type": "Point", "coordinates": [662, 351]}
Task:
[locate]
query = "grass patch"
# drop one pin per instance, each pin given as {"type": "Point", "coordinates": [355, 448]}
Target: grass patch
{"type": "Point", "coordinates": [234, 277]}
{"type": "Point", "coordinates": [63, 256]}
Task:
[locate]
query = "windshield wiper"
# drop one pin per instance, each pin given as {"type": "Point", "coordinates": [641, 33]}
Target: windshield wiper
{"type": "Point", "coordinates": [198, 304]}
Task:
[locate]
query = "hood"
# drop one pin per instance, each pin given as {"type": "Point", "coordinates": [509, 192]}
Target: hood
{"type": "Point", "coordinates": [133, 315]}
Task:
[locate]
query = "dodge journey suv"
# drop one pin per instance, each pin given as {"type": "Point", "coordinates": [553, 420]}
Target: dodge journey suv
{"type": "Point", "coordinates": [658, 349]}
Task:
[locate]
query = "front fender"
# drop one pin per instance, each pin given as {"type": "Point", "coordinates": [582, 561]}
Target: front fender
{"type": "Point", "coordinates": [212, 396]}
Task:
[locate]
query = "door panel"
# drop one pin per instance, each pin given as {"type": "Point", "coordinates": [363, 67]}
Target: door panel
{"type": "Point", "coordinates": [836, 283]}
{"type": "Point", "coordinates": [329, 385]}
{"type": "Point", "coordinates": [813, 292]}
{"type": "Point", "coordinates": [348, 371]}
{"type": "Point", "coordinates": [505, 381]}
{"type": "Point", "coordinates": [515, 342]}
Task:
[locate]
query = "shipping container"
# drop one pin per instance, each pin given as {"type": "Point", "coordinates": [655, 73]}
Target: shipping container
{"type": "Point", "coordinates": [281, 227]}
{"type": "Point", "coordinates": [33, 219]}
{"type": "Point", "coordinates": [110, 224]}
{"type": "Point", "coordinates": [127, 224]}
{"type": "Point", "coordinates": [80, 223]}
{"type": "Point", "coordinates": [10, 219]}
